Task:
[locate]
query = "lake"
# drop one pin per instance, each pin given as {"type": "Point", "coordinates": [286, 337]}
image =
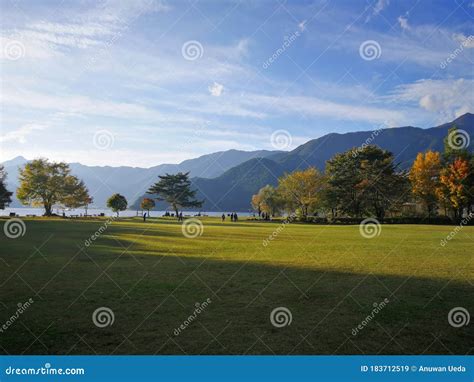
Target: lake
{"type": "Point", "coordinates": [94, 211]}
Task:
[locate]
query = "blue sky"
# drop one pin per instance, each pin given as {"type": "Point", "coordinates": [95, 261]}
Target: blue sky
{"type": "Point", "coordinates": [147, 82]}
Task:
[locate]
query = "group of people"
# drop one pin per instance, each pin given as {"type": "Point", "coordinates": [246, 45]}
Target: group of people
{"type": "Point", "coordinates": [233, 217]}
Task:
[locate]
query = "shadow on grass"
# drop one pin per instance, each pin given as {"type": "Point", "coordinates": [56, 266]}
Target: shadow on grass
{"type": "Point", "coordinates": [153, 296]}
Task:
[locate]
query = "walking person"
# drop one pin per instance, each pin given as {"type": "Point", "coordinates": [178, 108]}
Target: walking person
{"type": "Point", "coordinates": [144, 217]}
{"type": "Point", "coordinates": [223, 217]}
{"type": "Point", "coordinates": [180, 217]}
{"type": "Point", "coordinates": [235, 217]}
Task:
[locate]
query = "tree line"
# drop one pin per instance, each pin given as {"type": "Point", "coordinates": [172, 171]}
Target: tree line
{"type": "Point", "coordinates": [51, 184]}
{"type": "Point", "coordinates": [367, 181]}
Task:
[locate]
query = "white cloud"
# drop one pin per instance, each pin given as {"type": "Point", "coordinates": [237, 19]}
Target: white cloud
{"type": "Point", "coordinates": [379, 6]}
{"type": "Point", "coordinates": [216, 89]}
{"type": "Point", "coordinates": [403, 21]}
{"type": "Point", "coordinates": [465, 41]}
{"type": "Point", "coordinates": [302, 25]}
{"type": "Point", "coordinates": [20, 135]}
{"type": "Point", "coordinates": [445, 98]}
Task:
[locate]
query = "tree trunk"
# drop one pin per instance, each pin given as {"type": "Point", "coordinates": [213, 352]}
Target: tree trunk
{"type": "Point", "coordinates": [48, 209]}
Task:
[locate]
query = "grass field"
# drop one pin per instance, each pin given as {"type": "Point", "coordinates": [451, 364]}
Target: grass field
{"type": "Point", "coordinates": [151, 277]}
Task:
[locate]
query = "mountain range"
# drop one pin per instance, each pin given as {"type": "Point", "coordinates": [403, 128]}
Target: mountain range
{"type": "Point", "coordinates": [226, 180]}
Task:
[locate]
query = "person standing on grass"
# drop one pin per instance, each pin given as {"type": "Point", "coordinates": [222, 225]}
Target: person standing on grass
{"type": "Point", "coordinates": [235, 216]}
{"type": "Point", "coordinates": [180, 216]}
{"type": "Point", "coordinates": [144, 217]}
{"type": "Point", "coordinates": [223, 217]}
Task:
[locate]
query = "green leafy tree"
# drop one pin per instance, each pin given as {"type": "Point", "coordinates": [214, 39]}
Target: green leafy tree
{"type": "Point", "coordinates": [383, 187]}
{"type": "Point", "coordinates": [366, 183]}
{"type": "Point", "coordinates": [5, 195]}
{"type": "Point", "coordinates": [176, 191]}
{"type": "Point", "coordinates": [77, 194]}
{"type": "Point", "coordinates": [48, 183]}
{"type": "Point", "coordinates": [147, 204]}
{"type": "Point", "coordinates": [117, 203]}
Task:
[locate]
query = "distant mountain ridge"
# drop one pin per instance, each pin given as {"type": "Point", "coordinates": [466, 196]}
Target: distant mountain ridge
{"type": "Point", "coordinates": [227, 180]}
{"type": "Point", "coordinates": [131, 182]}
{"type": "Point", "coordinates": [233, 189]}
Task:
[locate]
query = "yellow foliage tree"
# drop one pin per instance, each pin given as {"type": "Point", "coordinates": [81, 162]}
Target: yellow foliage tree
{"type": "Point", "coordinates": [424, 178]}
{"type": "Point", "coordinates": [302, 189]}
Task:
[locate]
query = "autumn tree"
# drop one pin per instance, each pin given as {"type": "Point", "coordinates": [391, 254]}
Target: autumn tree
{"type": "Point", "coordinates": [176, 191]}
{"type": "Point", "coordinates": [147, 204]}
{"type": "Point", "coordinates": [48, 183]}
{"type": "Point", "coordinates": [5, 195]}
{"type": "Point", "coordinates": [302, 190]}
{"type": "Point", "coordinates": [454, 185]}
{"type": "Point", "coordinates": [267, 200]}
{"type": "Point", "coordinates": [424, 178]}
{"type": "Point", "coordinates": [117, 203]}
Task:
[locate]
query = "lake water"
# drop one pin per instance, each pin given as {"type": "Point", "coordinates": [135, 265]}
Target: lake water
{"type": "Point", "coordinates": [107, 212]}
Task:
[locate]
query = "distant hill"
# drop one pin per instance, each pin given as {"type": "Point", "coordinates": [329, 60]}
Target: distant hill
{"type": "Point", "coordinates": [233, 189]}
{"type": "Point", "coordinates": [131, 182]}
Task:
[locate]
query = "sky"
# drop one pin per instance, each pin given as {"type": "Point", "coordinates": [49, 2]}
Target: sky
{"type": "Point", "coordinates": [145, 82]}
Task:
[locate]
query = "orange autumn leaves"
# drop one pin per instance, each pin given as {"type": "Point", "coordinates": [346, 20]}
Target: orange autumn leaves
{"type": "Point", "coordinates": [433, 182]}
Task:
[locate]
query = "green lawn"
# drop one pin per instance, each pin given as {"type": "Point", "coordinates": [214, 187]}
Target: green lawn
{"type": "Point", "coordinates": [151, 276]}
